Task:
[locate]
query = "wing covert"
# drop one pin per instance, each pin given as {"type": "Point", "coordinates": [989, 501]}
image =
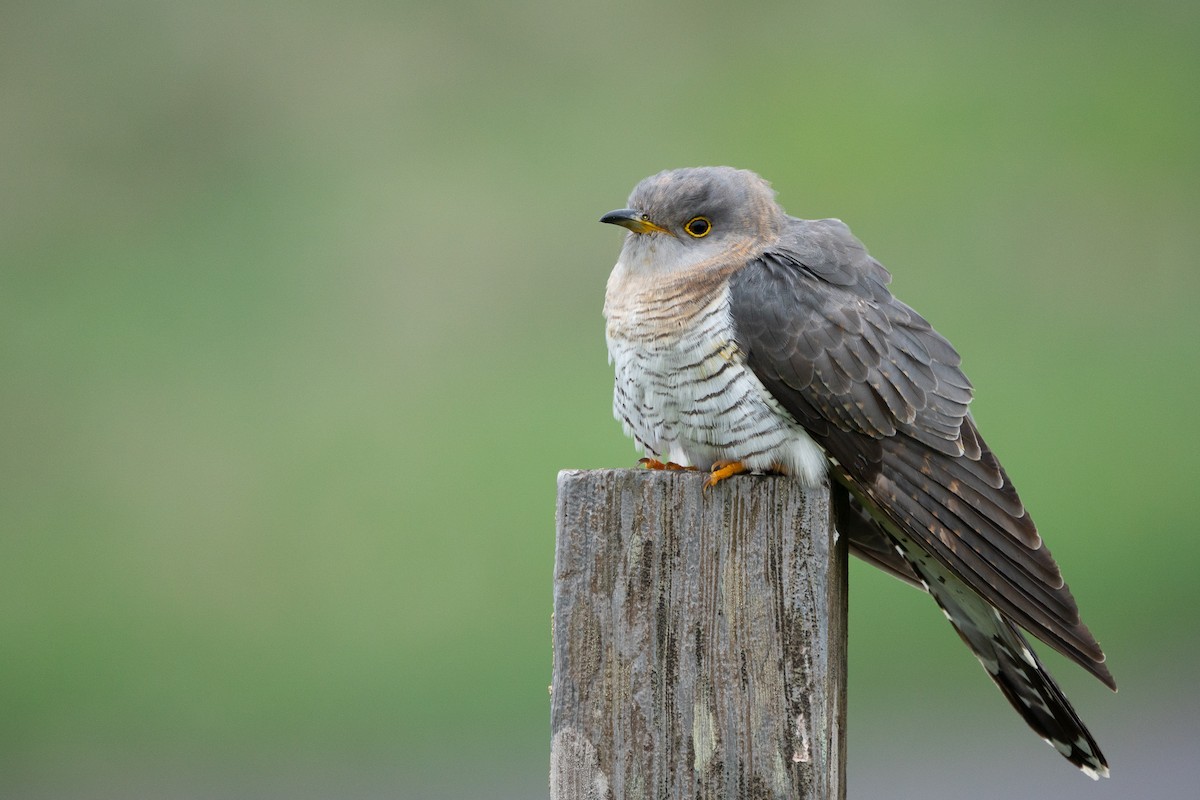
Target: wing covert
{"type": "Point", "coordinates": [882, 392]}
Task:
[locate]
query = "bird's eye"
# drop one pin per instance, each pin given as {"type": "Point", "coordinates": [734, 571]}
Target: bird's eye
{"type": "Point", "coordinates": [698, 227]}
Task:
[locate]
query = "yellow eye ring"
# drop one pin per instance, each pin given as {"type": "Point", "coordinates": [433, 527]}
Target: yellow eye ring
{"type": "Point", "coordinates": [698, 227]}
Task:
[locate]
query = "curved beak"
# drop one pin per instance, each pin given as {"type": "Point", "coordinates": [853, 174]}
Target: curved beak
{"type": "Point", "coordinates": [634, 220]}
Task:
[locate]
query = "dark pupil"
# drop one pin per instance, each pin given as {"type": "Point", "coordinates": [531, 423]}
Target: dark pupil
{"type": "Point", "coordinates": [698, 226]}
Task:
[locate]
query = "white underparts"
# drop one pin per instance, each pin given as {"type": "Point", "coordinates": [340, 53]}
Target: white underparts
{"type": "Point", "coordinates": [684, 392]}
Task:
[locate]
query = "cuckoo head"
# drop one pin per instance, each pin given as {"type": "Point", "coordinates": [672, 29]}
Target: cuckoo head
{"type": "Point", "coordinates": [683, 217]}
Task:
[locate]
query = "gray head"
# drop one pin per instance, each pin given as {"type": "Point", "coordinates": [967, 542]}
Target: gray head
{"type": "Point", "coordinates": [682, 217]}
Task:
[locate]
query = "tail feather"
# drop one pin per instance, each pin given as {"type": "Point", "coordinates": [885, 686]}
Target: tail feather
{"type": "Point", "coordinates": [1035, 695]}
{"type": "Point", "coordinates": [1011, 663]}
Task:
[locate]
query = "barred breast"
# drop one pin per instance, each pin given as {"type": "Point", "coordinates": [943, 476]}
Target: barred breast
{"type": "Point", "coordinates": [683, 390]}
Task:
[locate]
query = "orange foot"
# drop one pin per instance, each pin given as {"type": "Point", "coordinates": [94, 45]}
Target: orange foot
{"type": "Point", "coordinates": [722, 470]}
{"type": "Point", "coordinates": [654, 463]}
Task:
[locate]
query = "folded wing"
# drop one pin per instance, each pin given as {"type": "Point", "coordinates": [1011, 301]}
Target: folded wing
{"type": "Point", "coordinates": [883, 394]}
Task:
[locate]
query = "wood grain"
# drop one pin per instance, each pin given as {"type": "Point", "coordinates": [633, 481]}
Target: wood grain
{"type": "Point", "coordinates": [699, 639]}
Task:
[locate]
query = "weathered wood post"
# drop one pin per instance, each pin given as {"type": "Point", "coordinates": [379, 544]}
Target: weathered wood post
{"type": "Point", "coordinates": [699, 639]}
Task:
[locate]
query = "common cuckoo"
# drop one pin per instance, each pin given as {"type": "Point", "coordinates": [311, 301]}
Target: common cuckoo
{"type": "Point", "coordinates": [744, 339]}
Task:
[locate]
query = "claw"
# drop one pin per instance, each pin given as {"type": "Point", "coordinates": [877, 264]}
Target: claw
{"type": "Point", "coordinates": [722, 470]}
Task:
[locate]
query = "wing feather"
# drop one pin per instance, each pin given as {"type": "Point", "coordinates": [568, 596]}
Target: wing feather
{"type": "Point", "coordinates": [883, 393]}
{"type": "Point", "coordinates": [971, 522]}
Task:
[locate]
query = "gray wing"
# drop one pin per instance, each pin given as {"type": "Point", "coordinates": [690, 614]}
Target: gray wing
{"type": "Point", "coordinates": [882, 392]}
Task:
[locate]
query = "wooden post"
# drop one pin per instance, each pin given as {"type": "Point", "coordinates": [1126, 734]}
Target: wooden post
{"type": "Point", "coordinates": [699, 639]}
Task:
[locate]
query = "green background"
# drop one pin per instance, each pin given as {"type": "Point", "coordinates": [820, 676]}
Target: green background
{"type": "Point", "coordinates": [300, 315]}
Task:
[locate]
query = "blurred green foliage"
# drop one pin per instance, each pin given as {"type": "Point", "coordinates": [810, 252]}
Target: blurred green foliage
{"type": "Point", "coordinates": [300, 315]}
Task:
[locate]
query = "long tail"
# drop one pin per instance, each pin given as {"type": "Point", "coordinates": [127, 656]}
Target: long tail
{"type": "Point", "coordinates": [996, 642]}
{"type": "Point", "coordinates": [1011, 663]}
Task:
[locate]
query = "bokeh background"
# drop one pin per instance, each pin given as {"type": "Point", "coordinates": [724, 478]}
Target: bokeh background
{"type": "Point", "coordinates": [300, 315]}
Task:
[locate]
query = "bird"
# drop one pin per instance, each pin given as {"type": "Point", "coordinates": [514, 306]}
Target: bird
{"type": "Point", "coordinates": [746, 340]}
